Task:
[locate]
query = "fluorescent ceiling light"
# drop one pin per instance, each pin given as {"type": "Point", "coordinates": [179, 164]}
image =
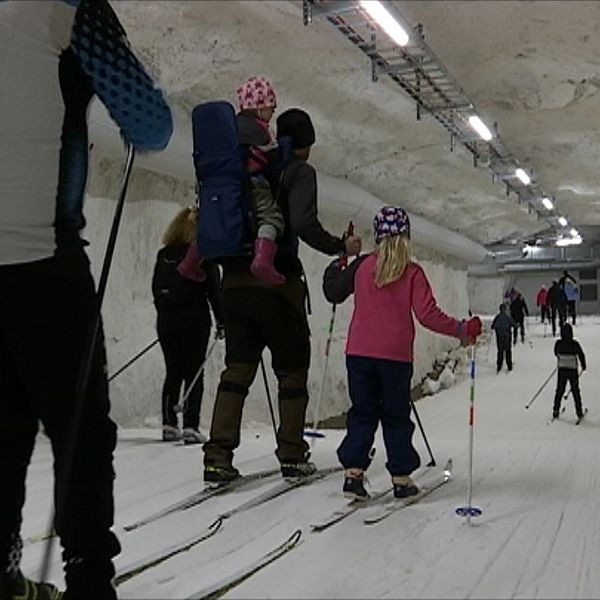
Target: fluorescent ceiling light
{"type": "Point", "coordinates": [479, 126]}
{"type": "Point", "coordinates": [385, 20]}
{"type": "Point", "coordinates": [563, 221]}
{"type": "Point", "coordinates": [574, 232]}
{"type": "Point", "coordinates": [547, 203]}
{"type": "Point", "coordinates": [523, 176]}
{"type": "Point", "coordinates": [574, 241]}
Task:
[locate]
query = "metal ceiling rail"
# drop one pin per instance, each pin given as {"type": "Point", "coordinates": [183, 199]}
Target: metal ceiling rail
{"type": "Point", "coordinates": [421, 74]}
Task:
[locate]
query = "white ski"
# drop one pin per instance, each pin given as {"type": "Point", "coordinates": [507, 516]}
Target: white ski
{"type": "Point", "coordinates": [427, 488]}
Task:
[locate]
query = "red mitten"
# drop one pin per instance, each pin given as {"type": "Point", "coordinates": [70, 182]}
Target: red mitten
{"type": "Point", "coordinates": [473, 329]}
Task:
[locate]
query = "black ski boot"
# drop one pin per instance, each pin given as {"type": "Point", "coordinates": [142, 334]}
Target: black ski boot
{"type": "Point", "coordinates": [405, 488]}
{"type": "Point", "coordinates": [22, 588]}
{"type": "Point", "coordinates": [220, 475]}
{"type": "Point", "coordinates": [295, 470]}
{"type": "Point", "coordinates": [354, 488]}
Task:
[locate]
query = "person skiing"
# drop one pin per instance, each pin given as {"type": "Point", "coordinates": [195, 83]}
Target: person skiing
{"type": "Point", "coordinates": [503, 325]}
{"type": "Point", "coordinates": [518, 310]}
{"type": "Point", "coordinates": [572, 295]}
{"type": "Point", "coordinates": [259, 315]}
{"type": "Point", "coordinates": [557, 301]}
{"type": "Point", "coordinates": [56, 55]}
{"type": "Point", "coordinates": [388, 288]}
{"type": "Point", "coordinates": [183, 290]}
{"type": "Point", "coordinates": [567, 351]}
{"type": "Point", "coordinates": [541, 300]}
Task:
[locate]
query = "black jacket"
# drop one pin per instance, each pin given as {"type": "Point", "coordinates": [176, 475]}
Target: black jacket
{"type": "Point", "coordinates": [173, 292]}
{"type": "Point", "coordinates": [556, 296]}
{"type": "Point", "coordinates": [503, 325]}
{"type": "Point", "coordinates": [518, 309]}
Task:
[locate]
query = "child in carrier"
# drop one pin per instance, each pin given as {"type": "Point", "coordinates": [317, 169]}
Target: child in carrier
{"type": "Point", "coordinates": [388, 288]}
{"type": "Point", "coordinates": [257, 102]}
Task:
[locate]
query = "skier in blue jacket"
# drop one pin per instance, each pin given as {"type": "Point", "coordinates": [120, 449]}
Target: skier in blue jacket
{"type": "Point", "coordinates": [54, 57]}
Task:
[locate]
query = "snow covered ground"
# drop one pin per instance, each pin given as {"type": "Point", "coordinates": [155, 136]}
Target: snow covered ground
{"type": "Point", "coordinates": [537, 484]}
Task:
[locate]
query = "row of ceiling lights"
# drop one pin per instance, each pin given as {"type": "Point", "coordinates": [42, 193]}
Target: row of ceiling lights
{"type": "Point", "coordinates": [377, 11]}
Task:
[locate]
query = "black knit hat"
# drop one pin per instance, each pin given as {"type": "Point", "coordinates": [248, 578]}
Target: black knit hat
{"type": "Point", "coordinates": [297, 124]}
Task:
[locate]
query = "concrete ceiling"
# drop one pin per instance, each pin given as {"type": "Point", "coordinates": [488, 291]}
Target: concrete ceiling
{"type": "Point", "coordinates": [533, 67]}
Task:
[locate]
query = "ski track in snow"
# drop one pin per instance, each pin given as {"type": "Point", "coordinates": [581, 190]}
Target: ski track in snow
{"type": "Point", "coordinates": [538, 487]}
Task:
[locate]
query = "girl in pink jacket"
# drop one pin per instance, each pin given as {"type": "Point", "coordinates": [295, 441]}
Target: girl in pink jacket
{"type": "Point", "coordinates": [388, 288]}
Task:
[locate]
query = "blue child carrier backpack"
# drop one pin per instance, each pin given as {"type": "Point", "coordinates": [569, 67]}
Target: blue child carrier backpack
{"type": "Point", "coordinates": [226, 220]}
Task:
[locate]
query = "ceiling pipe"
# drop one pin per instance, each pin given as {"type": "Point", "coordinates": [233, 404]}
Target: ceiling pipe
{"type": "Point", "coordinates": [339, 195]}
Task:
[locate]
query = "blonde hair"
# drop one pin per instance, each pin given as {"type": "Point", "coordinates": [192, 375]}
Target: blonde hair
{"type": "Point", "coordinates": [393, 256]}
{"type": "Point", "coordinates": [182, 229]}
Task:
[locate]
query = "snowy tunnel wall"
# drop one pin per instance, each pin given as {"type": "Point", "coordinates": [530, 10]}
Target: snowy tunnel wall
{"type": "Point", "coordinates": [129, 316]}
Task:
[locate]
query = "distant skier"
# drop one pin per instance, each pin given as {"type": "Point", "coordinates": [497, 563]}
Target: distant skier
{"type": "Point", "coordinates": [518, 310]}
{"type": "Point", "coordinates": [541, 301]}
{"type": "Point", "coordinates": [572, 295]}
{"type": "Point", "coordinates": [388, 287]}
{"type": "Point", "coordinates": [557, 301]}
{"type": "Point", "coordinates": [503, 324]}
{"type": "Point", "coordinates": [567, 350]}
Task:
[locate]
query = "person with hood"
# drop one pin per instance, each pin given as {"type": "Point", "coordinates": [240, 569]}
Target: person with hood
{"type": "Point", "coordinates": [518, 311]}
{"type": "Point", "coordinates": [259, 315]}
{"type": "Point", "coordinates": [541, 300]}
{"type": "Point", "coordinates": [55, 56]}
{"type": "Point", "coordinates": [557, 301]}
{"type": "Point", "coordinates": [567, 351]}
{"type": "Point", "coordinates": [503, 324]}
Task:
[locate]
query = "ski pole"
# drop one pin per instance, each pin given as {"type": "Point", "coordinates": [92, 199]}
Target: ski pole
{"type": "Point", "coordinates": [541, 388]}
{"type": "Point", "coordinates": [86, 363]}
{"type": "Point", "coordinates": [182, 404]}
{"type": "Point", "coordinates": [342, 263]}
{"type": "Point", "coordinates": [469, 510]}
{"type": "Point", "coordinates": [268, 392]}
{"type": "Point", "coordinates": [431, 463]}
{"type": "Point", "coordinates": [130, 362]}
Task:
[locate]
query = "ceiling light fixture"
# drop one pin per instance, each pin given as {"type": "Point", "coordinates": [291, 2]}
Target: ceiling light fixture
{"type": "Point", "coordinates": [480, 127]}
{"type": "Point", "coordinates": [384, 19]}
{"type": "Point", "coordinates": [522, 175]}
{"type": "Point", "coordinates": [574, 232]}
{"type": "Point", "coordinates": [563, 221]}
{"type": "Point", "coordinates": [547, 203]}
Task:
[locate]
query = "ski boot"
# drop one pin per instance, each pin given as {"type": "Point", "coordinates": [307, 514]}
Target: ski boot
{"type": "Point", "coordinates": [404, 487]}
{"type": "Point", "coordinates": [170, 433]}
{"type": "Point", "coordinates": [218, 476]}
{"type": "Point", "coordinates": [354, 486]}
{"type": "Point", "coordinates": [22, 588]}
{"type": "Point", "coordinates": [297, 470]}
{"type": "Point", "coordinates": [193, 436]}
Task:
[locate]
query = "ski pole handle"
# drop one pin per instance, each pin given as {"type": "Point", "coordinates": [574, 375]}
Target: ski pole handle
{"type": "Point", "coordinates": [343, 259]}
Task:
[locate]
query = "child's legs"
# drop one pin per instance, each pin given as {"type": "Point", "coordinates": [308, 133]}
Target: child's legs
{"type": "Point", "coordinates": [574, 383]}
{"type": "Point", "coordinates": [363, 417]}
{"type": "Point", "coordinates": [561, 384]}
{"type": "Point", "coordinates": [398, 428]}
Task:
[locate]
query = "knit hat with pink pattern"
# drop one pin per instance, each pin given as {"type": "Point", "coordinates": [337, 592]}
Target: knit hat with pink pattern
{"type": "Point", "coordinates": [255, 93]}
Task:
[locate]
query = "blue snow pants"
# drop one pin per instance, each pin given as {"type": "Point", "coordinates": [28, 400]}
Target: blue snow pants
{"type": "Point", "coordinates": [379, 391]}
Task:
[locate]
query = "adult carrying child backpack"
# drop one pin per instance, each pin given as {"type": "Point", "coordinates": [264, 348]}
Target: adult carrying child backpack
{"type": "Point", "coordinates": [226, 222]}
{"type": "Point", "coordinates": [226, 213]}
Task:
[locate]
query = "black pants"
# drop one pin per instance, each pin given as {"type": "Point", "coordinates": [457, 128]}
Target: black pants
{"type": "Point", "coordinates": [572, 377]}
{"type": "Point", "coordinates": [380, 392]}
{"type": "Point", "coordinates": [46, 309]}
{"type": "Point", "coordinates": [504, 352]}
{"type": "Point", "coordinates": [561, 311]}
{"type": "Point", "coordinates": [545, 312]}
{"type": "Point", "coordinates": [254, 318]}
{"type": "Point", "coordinates": [520, 324]}
{"type": "Point", "coordinates": [183, 335]}
{"type": "Point", "coordinates": [572, 310]}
